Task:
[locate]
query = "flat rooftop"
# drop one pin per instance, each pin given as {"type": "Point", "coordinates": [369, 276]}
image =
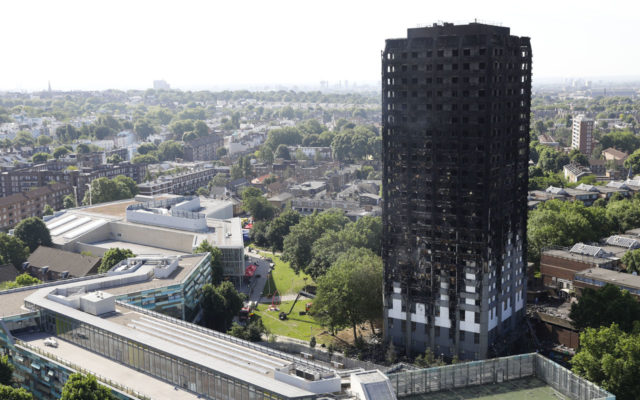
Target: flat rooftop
{"type": "Point", "coordinates": [12, 301]}
{"type": "Point", "coordinates": [613, 277]}
{"type": "Point", "coordinates": [573, 256]}
{"type": "Point", "coordinates": [529, 388]}
{"type": "Point", "coordinates": [112, 370]}
{"type": "Point", "coordinates": [243, 361]}
{"type": "Point", "coordinates": [137, 249]}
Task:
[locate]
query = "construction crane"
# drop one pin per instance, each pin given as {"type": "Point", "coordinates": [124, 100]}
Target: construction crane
{"type": "Point", "coordinates": [283, 315]}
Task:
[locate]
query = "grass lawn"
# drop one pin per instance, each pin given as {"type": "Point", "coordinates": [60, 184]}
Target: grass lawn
{"type": "Point", "coordinates": [296, 326]}
{"type": "Point", "coordinates": [283, 279]}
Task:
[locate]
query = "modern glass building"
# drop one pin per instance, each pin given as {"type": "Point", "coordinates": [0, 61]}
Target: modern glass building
{"type": "Point", "coordinates": [107, 325]}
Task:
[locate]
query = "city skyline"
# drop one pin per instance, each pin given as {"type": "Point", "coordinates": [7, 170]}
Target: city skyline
{"type": "Point", "coordinates": [251, 45]}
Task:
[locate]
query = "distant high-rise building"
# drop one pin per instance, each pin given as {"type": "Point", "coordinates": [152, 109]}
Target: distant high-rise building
{"type": "Point", "coordinates": [582, 137]}
{"type": "Point", "coordinates": [455, 119]}
{"type": "Point", "coordinates": [161, 85]}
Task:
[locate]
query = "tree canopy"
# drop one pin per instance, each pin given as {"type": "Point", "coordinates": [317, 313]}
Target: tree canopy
{"type": "Point", "coordinates": [605, 306]}
{"type": "Point", "coordinates": [256, 204]}
{"type": "Point", "coordinates": [279, 227]}
{"type": "Point", "coordinates": [297, 244]}
{"type": "Point", "coordinates": [10, 393]}
{"type": "Point", "coordinates": [610, 358]}
{"type": "Point", "coordinates": [217, 271]}
{"type": "Point", "coordinates": [350, 293]}
{"type": "Point", "coordinates": [220, 304]}
{"type": "Point", "coordinates": [364, 233]}
{"type": "Point", "coordinates": [6, 371]}
{"type": "Point", "coordinates": [81, 387]}
{"type": "Point", "coordinates": [33, 232]}
{"type": "Point", "coordinates": [105, 189]}
{"type": "Point", "coordinates": [112, 257]}
{"type": "Point", "coordinates": [560, 223]}
{"type": "Point", "coordinates": [13, 250]}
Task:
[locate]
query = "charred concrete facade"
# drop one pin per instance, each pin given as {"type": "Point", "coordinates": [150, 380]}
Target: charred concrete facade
{"type": "Point", "coordinates": [455, 117]}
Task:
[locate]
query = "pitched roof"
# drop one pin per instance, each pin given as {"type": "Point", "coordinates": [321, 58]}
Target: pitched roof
{"type": "Point", "coordinates": [615, 153]}
{"type": "Point", "coordinates": [8, 273]}
{"type": "Point", "coordinates": [59, 260]}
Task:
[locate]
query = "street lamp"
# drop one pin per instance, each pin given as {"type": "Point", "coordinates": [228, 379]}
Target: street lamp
{"type": "Point", "coordinates": [90, 199]}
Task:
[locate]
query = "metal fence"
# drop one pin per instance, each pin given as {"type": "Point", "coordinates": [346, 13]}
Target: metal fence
{"type": "Point", "coordinates": [497, 370]}
{"type": "Point", "coordinates": [324, 356]}
{"type": "Point", "coordinates": [256, 347]}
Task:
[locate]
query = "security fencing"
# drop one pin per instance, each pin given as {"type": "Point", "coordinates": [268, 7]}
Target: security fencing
{"type": "Point", "coordinates": [497, 370]}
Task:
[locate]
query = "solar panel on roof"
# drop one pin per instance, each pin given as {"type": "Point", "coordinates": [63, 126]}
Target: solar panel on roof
{"type": "Point", "coordinates": [586, 250]}
{"type": "Point", "coordinates": [621, 241]}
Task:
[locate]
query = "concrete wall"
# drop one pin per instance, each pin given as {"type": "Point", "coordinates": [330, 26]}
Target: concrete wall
{"type": "Point", "coordinates": [330, 385]}
{"type": "Point", "coordinates": [167, 221]}
{"type": "Point", "coordinates": [172, 240]}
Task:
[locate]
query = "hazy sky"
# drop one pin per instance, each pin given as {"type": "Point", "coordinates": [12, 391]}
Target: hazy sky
{"type": "Point", "coordinates": [96, 44]}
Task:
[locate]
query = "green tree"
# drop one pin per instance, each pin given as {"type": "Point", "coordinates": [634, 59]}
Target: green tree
{"type": "Point", "coordinates": [33, 232]}
{"type": "Point", "coordinates": [80, 387]}
{"type": "Point", "coordinates": [40, 158]}
{"type": "Point", "coordinates": [576, 157]}
{"type": "Point", "coordinates": [610, 358]}
{"type": "Point", "coordinates": [26, 280]}
{"type": "Point", "coordinates": [170, 150]}
{"type": "Point", "coordinates": [6, 371]}
{"type": "Point", "coordinates": [146, 148]}
{"type": "Point", "coordinates": [221, 152]}
{"type": "Point", "coordinates": [217, 271]}
{"type": "Point", "coordinates": [44, 140]}
{"type": "Point", "coordinates": [621, 140]}
{"type": "Point", "coordinates": [624, 214]}
{"type": "Point", "coordinates": [559, 223]}
{"type": "Point", "coordinates": [47, 210]}
{"type": "Point", "coordinates": [105, 189]}
{"type": "Point", "coordinates": [282, 152]}
{"type": "Point", "coordinates": [112, 257]}
{"type": "Point", "coordinates": [13, 250]}
{"type": "Point", "coordinates": [605, 306]}
{"type": "Point", "coordinates": [67, 133]}
{"type": "Point", "coordinates": [297, 244]}
{"type": "Point", "coordinates": [633, 162]}
{"type": "Point", "coordinates": [201, 128]}
{"type": "Point", "coordinates": [24, 138]}
{"type": "Point", "coordinates": [219, 180]}
{"type": "Point", "coordinates": [631, 261]}
{"type": "Point", "coordinates": [143, 129]}
{"type": "Point", "coordinates": [114, 159]}
{"type": "Point", "coordinates": [279, 228]}
{"type": "Point", "coordinates": [69, 201]}
{"type": "Point", "coordinates": [258, 233]}
{"type": "Point", "coordinates": [220, 304]}
{"type": "Point", "coordinates": [178, 128]}
{"type": "Point", "coordinates": [10, 393]}
{"type": "Point", "coordinates": [256, 204]}
{"type": "Point", "coordinates": [252, 332]}
{"type": "Point", "coordinates": [364, 233]}
{"type": "Point", "coordinates": [288, 136]}
{"type": "Point", "coordinates": [83, 149]}
{"type": "Point", "coordinates": [60, 152]}
{"type": "Point", "coordinates": [145, 159]}
{"type": "Point", "coordinates": [350, 293]}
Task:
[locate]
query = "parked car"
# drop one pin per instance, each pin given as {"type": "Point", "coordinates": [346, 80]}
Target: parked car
{"type": "Point", "coordinates": [51, 342]}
